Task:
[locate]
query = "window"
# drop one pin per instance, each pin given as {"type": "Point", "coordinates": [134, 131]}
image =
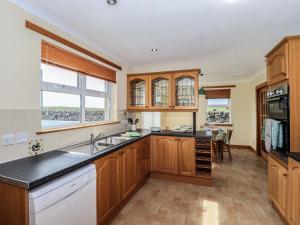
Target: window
{"type": "Point", "coordinates": [70, 98]}
{"type": "Point", "coordinates": [218, 111]}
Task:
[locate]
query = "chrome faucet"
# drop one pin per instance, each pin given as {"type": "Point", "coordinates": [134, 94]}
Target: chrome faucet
{"type": "Point", "coordinates": [94, 139]}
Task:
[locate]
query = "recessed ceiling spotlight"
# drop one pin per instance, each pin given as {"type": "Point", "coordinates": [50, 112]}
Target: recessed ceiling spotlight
{"type": "Point", "coordinates": [112, 2]}
{"type": "Point", "coordinates": [154, 50]}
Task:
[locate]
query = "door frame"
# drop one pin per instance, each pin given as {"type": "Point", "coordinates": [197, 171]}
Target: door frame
{"type": "Point", "coordinates": [258, 129]}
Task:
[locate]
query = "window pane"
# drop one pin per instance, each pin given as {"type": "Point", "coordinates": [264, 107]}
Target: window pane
{"type": "Point", "coordinates": [58, 75]}
{"type": "Point", "coordinates": [60, 109]}
{"type": "Point", "coordinates": [218, 111]}
{"type": "Point", "coordinates": [94, 109]}
{"type": "Point", "coordinates": [95, 84]}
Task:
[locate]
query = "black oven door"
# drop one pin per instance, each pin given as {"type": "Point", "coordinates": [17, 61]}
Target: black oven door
{"type": "Point", "coordinates": [278, 108]}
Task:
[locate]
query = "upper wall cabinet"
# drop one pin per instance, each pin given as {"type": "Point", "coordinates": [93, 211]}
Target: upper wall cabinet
{"type": "Point", "coordinates": [160, 91]}
{"type": "Point", "coordinates": [277, 64]}
{"type": "Point", "coordinates": [185, 91]}
{"type": "Point", "coordinates": [163, 91]}
{"type": "Point", "coordinates": [137, 92]}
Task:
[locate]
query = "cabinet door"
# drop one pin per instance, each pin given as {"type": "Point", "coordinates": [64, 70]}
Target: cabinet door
{"type": "Point", "coordinates": [142, 170]}
{"type": "Point", "coordinates": [278, 185]}
{"type": "Point", "coordinates": [160, 91]}
{"type": "Point", "coordinates": [108, 185]}
{"type": "Point", "coordinates": [186, 156]}
{"type": "Point", "coordinates": [164, 154]}
{"type": "Point", "coordinates": [128, 170]}
{"type": "Point", "coordinates": [137, 92]}
{"type": "Point", "coordinates": [272, 178]}
{"type": "Point", "coordinates": [185, 90]}
{"type": "Point", "coordinates": [277, 65]}
{"type": "Point", "coordinates": [143, 155]}
{"type": "Point", "coordinates": [281, 195]}
{"type": "Point", "coordinates": [294, 193]}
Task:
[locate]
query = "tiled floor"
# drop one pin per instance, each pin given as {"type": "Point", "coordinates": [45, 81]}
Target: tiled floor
{"type": "Point", "coordinates": [239, 197]}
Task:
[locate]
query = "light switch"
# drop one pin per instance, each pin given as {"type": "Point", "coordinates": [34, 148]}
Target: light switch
{"type": "Point", "coordinates": [8, 139]}
{"type": "Point", "coordinates": [22, 137]}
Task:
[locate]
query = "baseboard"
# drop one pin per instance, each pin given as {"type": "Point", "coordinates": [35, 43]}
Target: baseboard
{"type": "Point", "coordinates": [248, 147]}
{"type": "Point", "coordinates": [201, 180]}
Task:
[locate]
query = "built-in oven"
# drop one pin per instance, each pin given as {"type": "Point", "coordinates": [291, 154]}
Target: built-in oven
{"type": "Point", "coordinates": [278, 109]}
{"type": "Point", "coordinates": [278, 103]}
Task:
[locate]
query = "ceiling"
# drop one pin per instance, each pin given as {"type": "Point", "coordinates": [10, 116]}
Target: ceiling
{"type": "Point", "coordinates": [226, 38]}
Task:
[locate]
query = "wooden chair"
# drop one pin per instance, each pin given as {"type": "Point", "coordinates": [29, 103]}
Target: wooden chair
{"type": "Point", "coordinates": [214, 146]}
{"type": "Point", "coordinates": [228, 149]}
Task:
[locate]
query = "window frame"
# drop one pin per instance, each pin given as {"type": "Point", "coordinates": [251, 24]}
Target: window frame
{"type": "Point", "coordinates": [219, 123]}
{"type": "Point", "coordinates": [83, 92]}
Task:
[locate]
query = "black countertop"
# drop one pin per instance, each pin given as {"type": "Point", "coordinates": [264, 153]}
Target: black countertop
{"type": "Point", "coordinates": [198, 134]}
{"type": "Point", "coordinates": [294, 155]}
{"type": "Point", "coordinates": [34, 171]}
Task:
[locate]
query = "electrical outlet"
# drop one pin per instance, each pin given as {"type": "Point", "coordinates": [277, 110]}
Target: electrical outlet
{"type": "Point", "coordinates": [8, 139]}
{"type": "Point", "coordinates": [21, 137]}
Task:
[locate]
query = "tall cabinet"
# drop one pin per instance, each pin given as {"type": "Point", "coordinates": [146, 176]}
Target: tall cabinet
{"type": "Point", "coordinates": [283, 65]}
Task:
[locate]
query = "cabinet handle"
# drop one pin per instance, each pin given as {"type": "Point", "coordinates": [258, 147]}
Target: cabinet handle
{"type": "Point", "coordinates": [285, 175]}
{"type": "Point", "coordinates": [121, 153]}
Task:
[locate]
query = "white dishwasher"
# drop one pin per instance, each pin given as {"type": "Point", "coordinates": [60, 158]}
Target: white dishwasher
{"type": "Point", "coordinates": [68, 200]}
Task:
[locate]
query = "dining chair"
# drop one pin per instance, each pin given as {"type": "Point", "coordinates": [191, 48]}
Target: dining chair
{"type": "Point", "coordinates": [227, 143]}
{"type": "Point", "coordinates": [214, 146]}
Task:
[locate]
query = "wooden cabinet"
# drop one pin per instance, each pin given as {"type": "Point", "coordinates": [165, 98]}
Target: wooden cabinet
{"type": "Point", "coordinates": [294, 193]}
{"type": "Point", "coordinates": [164, 155]}
{"type": "Point", "coordinates": [186, 156]}
{"type": "Point", "coordinates": [160, 91]}
{"type": "Point", "coordinates": [129, 160]}
{"type": "Point", "coordinates": [163, 91]}
{"type": "Point", "coordinates": [283, 64]}
{"type": "Point", "coordinates": [277, 175]}
{"type": "Point", "coordinates": [138, 92]}
{"type": "Point", "coordinates": [277, 65]}
{"type": "Point", "coordinates": [109, 180]}
{"type": "Point", "coordinates": [173, 155]}
{"type": "Point", "coordinates": [185, 90]}
{"type": "Point", "coordinates": [143, 159]}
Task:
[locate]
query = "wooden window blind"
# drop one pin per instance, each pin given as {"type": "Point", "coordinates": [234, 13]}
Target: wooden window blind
{"type": "Point", "coordinates": [220, 93]}
{"type": "Point", "coordinates": [58, 56]}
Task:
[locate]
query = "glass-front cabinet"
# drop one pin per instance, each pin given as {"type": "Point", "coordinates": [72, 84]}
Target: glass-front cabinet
{"type": "Point", "coordinates": [160, 91]}
{"type": "Point", "coordinates": [175, 90]}
{"type": "Point", "coordinates": [137, 92]}
{"type": "Point", "coordinates": [185, 91]}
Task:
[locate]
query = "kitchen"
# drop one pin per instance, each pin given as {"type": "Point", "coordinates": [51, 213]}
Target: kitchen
{"type": "Point", "coordinates": [143, 138]}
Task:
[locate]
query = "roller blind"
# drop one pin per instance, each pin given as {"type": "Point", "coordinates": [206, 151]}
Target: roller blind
{"type": "Point", "coordinates": [58, 56]}
{"type": "Point", "coordinates": [220, 93]}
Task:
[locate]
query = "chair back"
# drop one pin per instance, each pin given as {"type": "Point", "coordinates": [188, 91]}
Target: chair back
{"type": "Point", "coordinates": [229, 134]}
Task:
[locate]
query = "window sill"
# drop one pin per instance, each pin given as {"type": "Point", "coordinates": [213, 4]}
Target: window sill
{"type": "Point", "coordinates": [220, 124]}
{"type": "Point", "coordinates": [52, 130]}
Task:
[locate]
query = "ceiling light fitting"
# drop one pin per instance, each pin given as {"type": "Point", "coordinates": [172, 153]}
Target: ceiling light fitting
{"type": "Point", "coordinates": [154, 50]}
{"type": "Point", "coordinates": [112, 2]}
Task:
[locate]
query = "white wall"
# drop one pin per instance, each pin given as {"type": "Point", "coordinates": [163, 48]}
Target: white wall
{"type": "Point", "coordinates": [20, 84]}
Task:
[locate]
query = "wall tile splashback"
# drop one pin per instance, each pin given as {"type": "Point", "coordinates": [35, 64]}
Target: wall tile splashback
{"type": "Point", "coordinates": [23, 120]}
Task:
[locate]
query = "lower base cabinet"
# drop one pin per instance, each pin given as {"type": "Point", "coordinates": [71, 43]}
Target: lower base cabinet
{"type": "Point", "coordinates": [173, 155]}
{"type": "Point", "coordinates": [118, 175]}
{"type": "Point", "coordinates": [109, 171]}
{"type": "Point", "coordinates": [294, 193]}
{"type": "Point", "coordinates": [277, 175]}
